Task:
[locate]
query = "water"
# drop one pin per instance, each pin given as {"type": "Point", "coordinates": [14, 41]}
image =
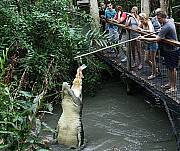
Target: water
{"type": "Point", "coordinates": [115, 121]}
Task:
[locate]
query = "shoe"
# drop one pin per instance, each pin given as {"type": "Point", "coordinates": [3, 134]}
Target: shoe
{"type": "Point", "coordinates": [140, 67]}
{"type": "Point", "coordinates": [134, 65]}
{"type": "Point", "coordinates": [158, 73]}
{"type": "Point", "coordinates": [151, 77]}
{"type": "Point", "coordinates": [166, 86]}
{"type": "Point", "coordinates": [124, 59]}
{"type": "Point", "coordinates": [171, 90]}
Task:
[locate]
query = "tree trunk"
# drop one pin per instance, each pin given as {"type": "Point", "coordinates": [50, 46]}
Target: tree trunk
{"type": "Point", "coordinates": [164, 5]}
{"type": "Point", "coordinates": [94, 11]}
{"type": "Point", "coordinates": [145, 7]}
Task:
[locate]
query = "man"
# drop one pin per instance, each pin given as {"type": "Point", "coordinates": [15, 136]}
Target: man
{"type": "Point", "coordinates": [110, 14]}
{"type": "Point", "coordinates": [110, 28]}
{"type": "Point", "coordinates": [102, 8]}
{"type": "Point", "coordinates": [168, 31]}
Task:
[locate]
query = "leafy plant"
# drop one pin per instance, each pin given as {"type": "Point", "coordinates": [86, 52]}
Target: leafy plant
{"type": "Point", "coordinates": [42, 37]}
{"type": "Point", "coordinates": [3, 62]}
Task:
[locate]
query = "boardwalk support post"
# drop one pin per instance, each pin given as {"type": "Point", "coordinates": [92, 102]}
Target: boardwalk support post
{"type": "Point", "coordinates": [128, 54]}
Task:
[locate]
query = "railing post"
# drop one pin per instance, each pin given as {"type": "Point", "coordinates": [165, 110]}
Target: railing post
{"type": "Point", "coordinates": [128, 54]}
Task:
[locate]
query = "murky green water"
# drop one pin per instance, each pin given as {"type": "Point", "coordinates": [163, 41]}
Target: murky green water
{"type": "Point", "coordinates": [115, 121]}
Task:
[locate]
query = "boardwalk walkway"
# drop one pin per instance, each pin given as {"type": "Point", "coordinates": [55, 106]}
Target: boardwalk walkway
{"type": "Point", "coordinates": [140, 76]}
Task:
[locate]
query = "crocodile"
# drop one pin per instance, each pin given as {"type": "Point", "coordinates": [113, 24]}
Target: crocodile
{"type": "Point", "coordinates": [70, 127]}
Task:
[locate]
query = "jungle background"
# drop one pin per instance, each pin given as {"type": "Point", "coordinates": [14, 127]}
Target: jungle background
{"type": "Point", "coordinates": [38, 42]}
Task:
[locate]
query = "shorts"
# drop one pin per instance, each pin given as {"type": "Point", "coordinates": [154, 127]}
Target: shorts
{"type": "Point", "coordinates": [114, 35]}
{"type": "Point", "coordinates": [151, 47]}
{"type": "Point", "coordinates": [171, 59]}
{"type": "Point", "coordinates": [134, 35]}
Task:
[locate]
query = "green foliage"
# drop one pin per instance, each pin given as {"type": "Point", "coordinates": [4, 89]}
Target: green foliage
{"type": "Point", "coordinates": [18, 110]}
{"type": "Point", "coordinates": [3, 62]}
{"type": "Point", "coordinates": [45, 36]}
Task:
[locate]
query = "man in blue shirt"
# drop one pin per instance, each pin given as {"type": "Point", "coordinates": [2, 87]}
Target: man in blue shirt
{"type": "Point", "coordinates": [112, 29]}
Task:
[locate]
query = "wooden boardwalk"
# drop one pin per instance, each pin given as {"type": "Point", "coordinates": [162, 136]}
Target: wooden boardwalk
{"type": "Point", "coordinates": [140, 76]}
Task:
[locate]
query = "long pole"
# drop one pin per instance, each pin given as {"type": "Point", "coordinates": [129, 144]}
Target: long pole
{"type": "Point", "coordinates": [119, 43]}
{"type": "Point", "coordinates": [86, 54]}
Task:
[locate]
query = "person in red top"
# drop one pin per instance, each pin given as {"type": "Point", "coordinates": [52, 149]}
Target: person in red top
{"type": "Point", "coordinates": [120, 18]}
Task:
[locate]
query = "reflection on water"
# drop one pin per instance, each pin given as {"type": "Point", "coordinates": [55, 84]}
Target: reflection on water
{"type": "Point", "coordinates": [115, 121]}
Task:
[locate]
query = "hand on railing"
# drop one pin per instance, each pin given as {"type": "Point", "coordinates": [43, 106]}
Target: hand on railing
{"type": "Point", "coordinates": [141, 37]}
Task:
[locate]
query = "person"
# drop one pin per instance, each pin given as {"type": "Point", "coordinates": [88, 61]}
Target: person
{"type": "Point", "coordinates": [110, 28]}
{"type": "Point", "coordinates": [133, 23]}
{"type": "Point", "coordinates": [168, 31]}
{"type": "Point", "coordinates": [157, 28]}
{"type": "Point", "coordinates": [110, 14]}
{"type": "Point", "coordinates": [102, 8]}
{"type": "Point", "coordinates": [120, 18]}
{"type": "Point", "coordinates": [155, 22]}
{"type": "Point", "coordinates": [150, 47]}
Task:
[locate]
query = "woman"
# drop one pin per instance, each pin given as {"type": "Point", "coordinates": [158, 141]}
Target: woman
{"type": "Point", "coordinates": [120, 18]}
{"type": "Point", "coordinates": [150, 47]}
{"type": "Point", "coordinates": [133, 23]}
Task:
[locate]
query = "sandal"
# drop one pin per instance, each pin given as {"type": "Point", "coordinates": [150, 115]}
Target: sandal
{"type": "Point", "coordinates": [171, 90]}
{"type": "Point", "coordinates": [151, 77]}
{"type": "Point", "coordinates": [158, 73]}
{"type": "Point", "coordinates": [134, 65]}
{"type": "Point", "coordinates": [140, 67]}
{"type": "Point", "coordinates": [166, 86]}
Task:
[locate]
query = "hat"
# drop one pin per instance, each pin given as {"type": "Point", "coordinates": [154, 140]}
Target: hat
{"type": "Point", "coordinates": [134, 9]}
{"type": "Point", "coordinates": [119, 8]}
{"type": "Point", "coordinates": [143, 15]}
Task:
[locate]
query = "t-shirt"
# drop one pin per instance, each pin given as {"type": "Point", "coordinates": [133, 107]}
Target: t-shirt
{"type": "Point", "coordinates": [168, 31]}
{"type": "Point", "coordinates": [122, 15]}
{"type": "Point", "coordinates": [133, 25]}
{"type": "Point", "coordinates": [110, 14]}
{"type": "Point", "coordinates": [155, 23]}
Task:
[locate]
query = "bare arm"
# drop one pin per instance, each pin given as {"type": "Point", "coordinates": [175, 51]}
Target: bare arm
{"type": "Point", "coordinates": [128, 21]}
{"type": "Point", "coordinates": [151, 28]}
{"type": "Point", "coordinates": [153, 38]}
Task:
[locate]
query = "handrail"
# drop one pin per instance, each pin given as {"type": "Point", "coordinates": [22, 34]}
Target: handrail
{"type": "Point", "coordinates": [173, 42]}
{"type": "Point", "coordinates": [177, 24]}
